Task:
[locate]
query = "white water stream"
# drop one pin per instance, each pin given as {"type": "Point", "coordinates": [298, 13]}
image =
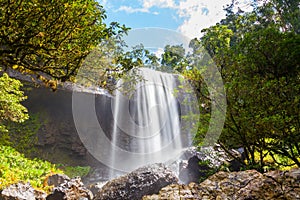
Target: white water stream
{"type": "Point", "coordinates": [147, 125]}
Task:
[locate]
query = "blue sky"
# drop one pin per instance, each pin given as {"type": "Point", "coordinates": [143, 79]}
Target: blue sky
{"type": "Point", "coordinates": [187, 17]}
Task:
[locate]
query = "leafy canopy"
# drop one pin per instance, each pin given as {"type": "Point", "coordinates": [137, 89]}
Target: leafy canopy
{"type": "Point", "coordinates": [257, 54]}
{"type": "Point", "coordinates": [51, 38]}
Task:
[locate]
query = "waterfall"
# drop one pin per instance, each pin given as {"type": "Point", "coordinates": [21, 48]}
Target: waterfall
{"type": "Point", "coordinates": [147, 126]}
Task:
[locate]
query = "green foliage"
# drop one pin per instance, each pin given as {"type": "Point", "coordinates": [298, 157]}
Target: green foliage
{"type": "Point", "coordinates": [73, 171]}
{"type": "Point", "coordinates": [51, 38]}
{"type": "Point", "coordinates": [108, 63]}
{"type": "Point", "coordinates": [211, 170]}
{"type": "Point", "coordinates": [173, 59]}
{"type": "Point", "coordinates": [206, 170]}
{"type": "Point", "coordinates": [22, 136]}
{"type": "Point", "coordinates": [201, 90]}
{"type": "Point", "coordinates": [263, 96]}
{"type": "Point", "coordinates": [14, 167]}
{"type": "Point", "coordinates": [216, 39]}
{"type": "Point", "coordinates": [257, 54]}
{"type": "Point", "coordinates": [10, 102]}
{"type": "Point", "coordinates": [274, 161]}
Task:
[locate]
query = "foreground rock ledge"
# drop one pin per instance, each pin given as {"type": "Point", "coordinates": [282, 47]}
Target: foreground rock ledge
{"type": "Point", "coordinates": [135, 185]}
{"type": "Point", "coordinates": [65, 189]}
{"type": "Point", "coordinates": [70, 189]}
{"type": "Point", "coordinates": [244, 185]}
{"type": "Point", "coordinates": [22, 191]}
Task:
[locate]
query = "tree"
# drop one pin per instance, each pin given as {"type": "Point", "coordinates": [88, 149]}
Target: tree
{"type": "Point", "coordinates": [263, 96]}
{"type": "Point", "coordinates": [257, 54]}
{"type": "Point", "coordinates": [173, 58]}
{"type": "Point", "coordinates": [50, 39]}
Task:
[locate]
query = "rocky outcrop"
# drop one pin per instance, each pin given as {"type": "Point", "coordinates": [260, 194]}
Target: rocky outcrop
{"type": "Point", "coordinates": [22, 191]}
{"type": "Point", "coordinates": [176, 191]}
{"type": "Point", "coordinates": [193, 171]}
{"type": "Point", "coordinates": [156, 182]}
{"type": "Point", "coordinates": [95, 188]}
{"type": "Point", "coordinates": [273, 185]}
{"type": "Point", "coordinates": [72, 189]}
{"type": "Point", "coordinates": [135, 185]}
{"type": "Point", "coordinates": [64, 189]}
{"type": "Point", "coordinates": [195, 164]}
{"type": "Point", "coordinates": [57, 179]}
{"type": "Point", "coordinates": [244, 185]}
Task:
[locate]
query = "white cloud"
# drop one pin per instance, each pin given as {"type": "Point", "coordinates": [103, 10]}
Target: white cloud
{"type": "Point", "coordinates": [196, 14]}
{"type": "Point", "coordinates": [129, 9]}
{"type": "Point", "coordinates": [199, 15]}
{"type": "Point", "coordinates": [159, 3]}
{"type": "Point", "coordinates": [146, 5]}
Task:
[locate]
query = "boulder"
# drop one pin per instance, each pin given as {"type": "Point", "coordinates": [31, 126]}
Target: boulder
{"type": "Point", "coordinates": [224, 185]}
{"type": "Point", "coordinates": [22, 191]}
{"type": "Point", "coordinates": [72, 189]}
{"type": "Point", "coordinates": [100, 174]}
{"type": "Point", "coordinates": [57, 179]}
{"type": "Point", "coordinates": [211, 158]}
{"type": "Point", "coordinates": [135, 185]}
{"type": "Point", "coordinates": [176, 191]}
{"type": "Point", "coordinates": [250, 185]}
{"type": "Point", "coordinates": [96, 187]}
{"type": "Point", "coordinates": [193, 171]}
{"type": "Point", "coordinates": [273, 185]}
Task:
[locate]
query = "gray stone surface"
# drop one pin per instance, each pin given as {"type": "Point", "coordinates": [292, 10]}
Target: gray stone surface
{"type": "Point", "coordinates": [244, 185]}
{"type": "Point", "coordinates": [57, 179]}
{"type": "Point", "coordinates": [210, 157]}
{"type": "Point", "coordinates": [133, 186]}
{"type": "Point", "coordinates": [22, 191]}
{"type": "Point", "coordinates": [72, 189]}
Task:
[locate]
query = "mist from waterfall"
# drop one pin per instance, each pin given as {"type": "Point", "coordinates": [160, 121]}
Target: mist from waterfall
{"type": "Point", "coordinates": [147, 124]}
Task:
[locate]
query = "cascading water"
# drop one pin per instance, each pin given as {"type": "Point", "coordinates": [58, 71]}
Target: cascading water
{"type": "Point", "coordinates": [147, 124]}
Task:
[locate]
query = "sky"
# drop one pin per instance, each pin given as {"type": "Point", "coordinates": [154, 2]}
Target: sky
{"type": "Point", "coordinates": [187, 17]}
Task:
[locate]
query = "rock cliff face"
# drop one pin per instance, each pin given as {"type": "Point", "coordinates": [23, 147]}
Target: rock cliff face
{"type": "Point", "coordinates": [58, 134]}
{"type": "Point", "coordinates": [244, 185]}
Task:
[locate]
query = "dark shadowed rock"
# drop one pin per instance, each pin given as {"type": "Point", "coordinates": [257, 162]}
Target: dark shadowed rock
{"type": "Point", "coordinates": [57, 134]}
{"type": "Point", "coordinates": [193, 171]}
{"type": "Point", "coordinates": [71, 190]}
{"type": "Point", "coordinates": [133, 186]}
{"type": "Point", "coordinates": [210, 158]}
{"type": "Point", "coordinates": [57, 179]}
{"type": "Point", "coordinates": [22, 191]}
{"type": "Point", "coordinates": [96, 187]}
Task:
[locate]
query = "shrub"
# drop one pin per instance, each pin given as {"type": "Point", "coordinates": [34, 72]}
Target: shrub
{"type": "Point", "coordinates": [14, 167]}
